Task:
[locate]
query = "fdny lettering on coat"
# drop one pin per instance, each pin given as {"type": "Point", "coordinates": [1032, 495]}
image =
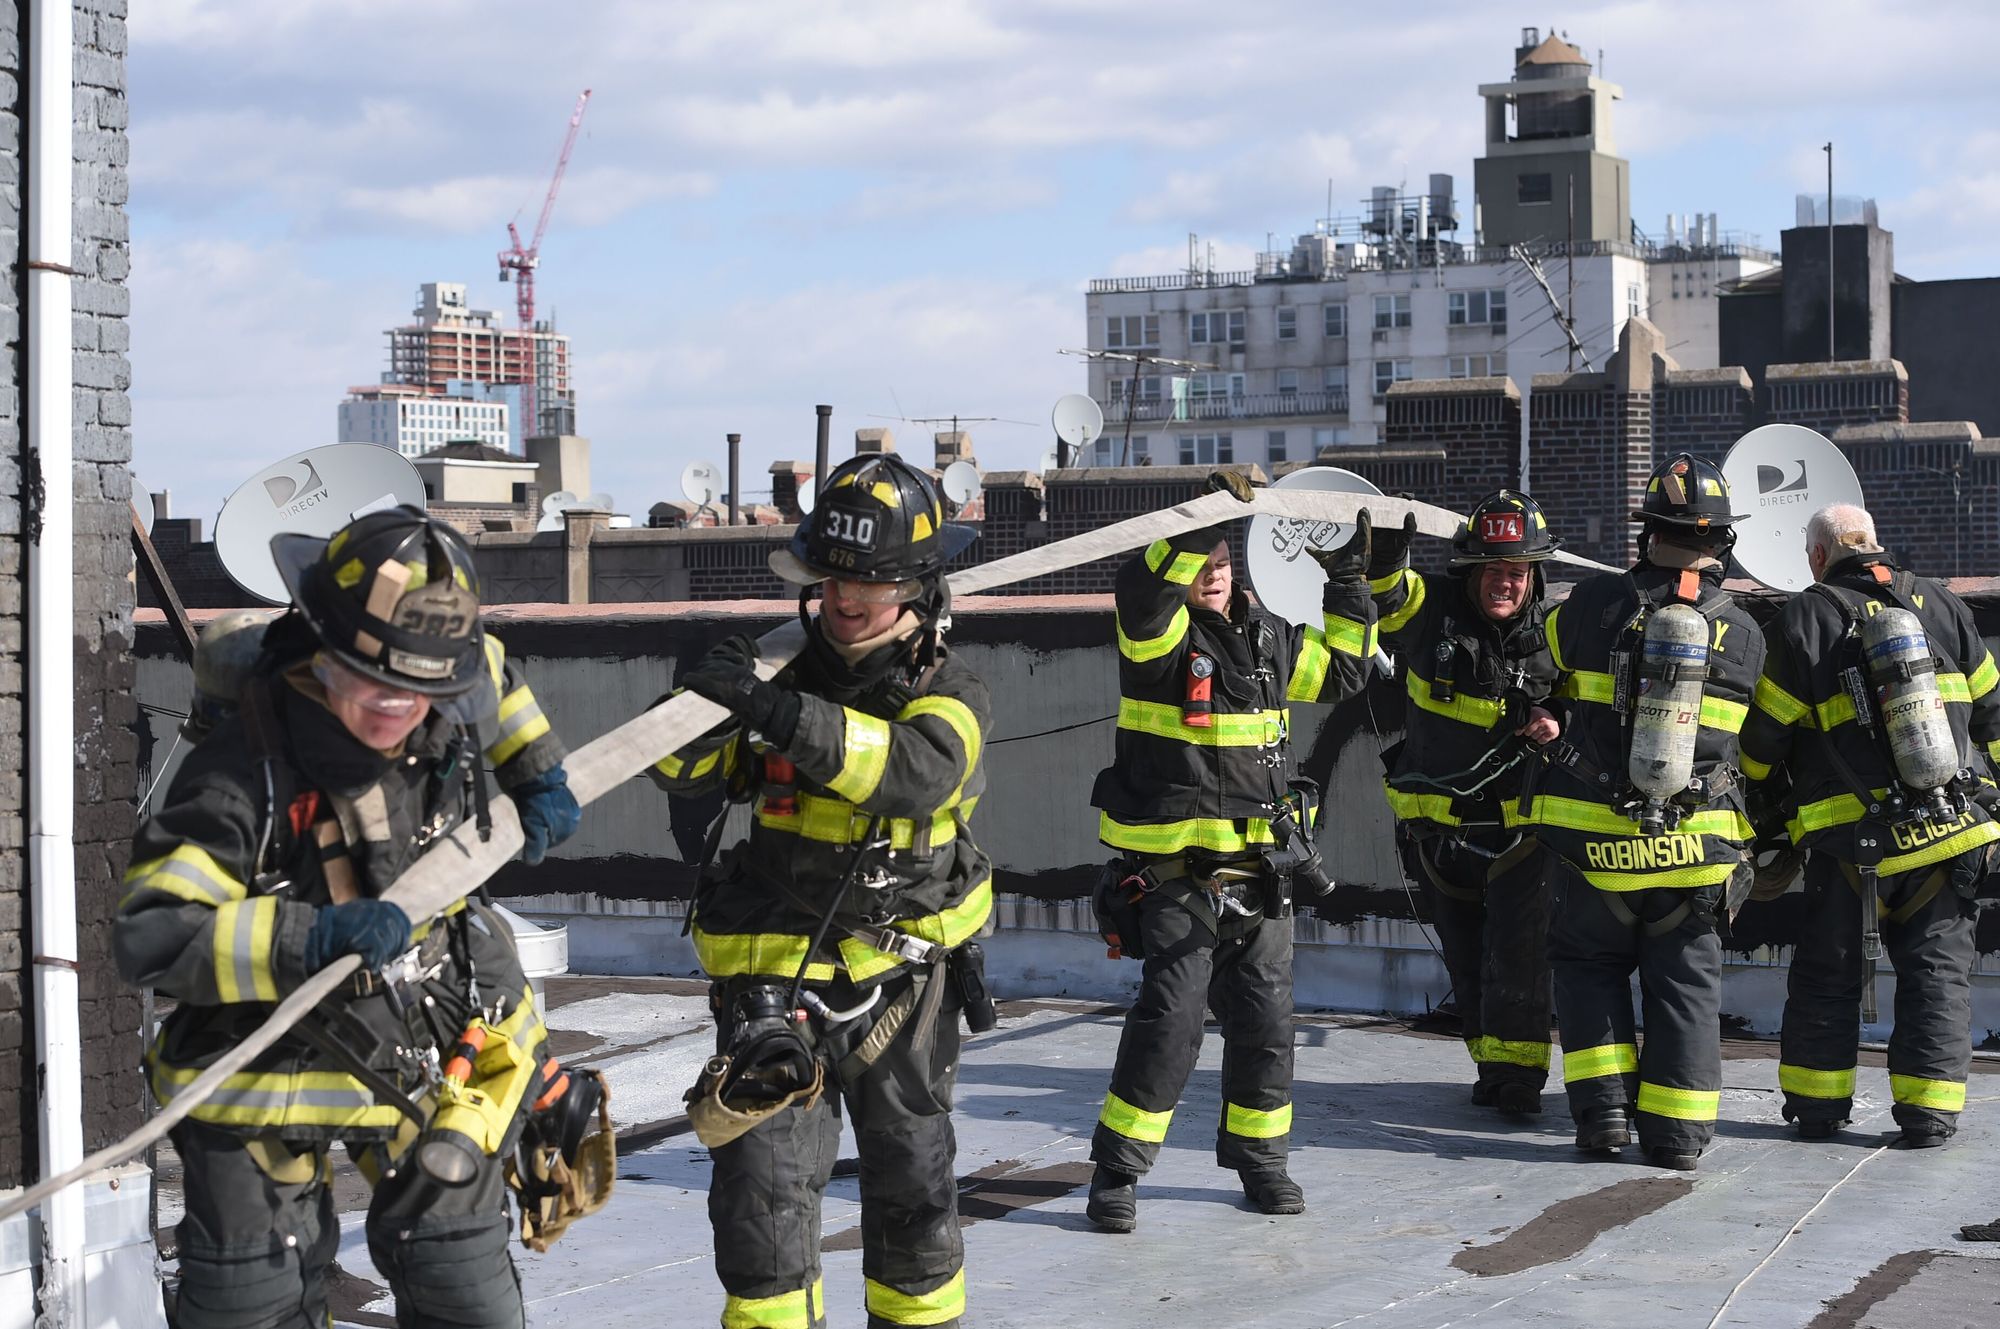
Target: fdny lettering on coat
{"type": "Point", "coordinates": [1643, 855]}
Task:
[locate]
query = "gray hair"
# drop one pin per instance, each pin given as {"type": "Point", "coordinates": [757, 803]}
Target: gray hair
{"type": "Point", "coordinates": [1842, 526]}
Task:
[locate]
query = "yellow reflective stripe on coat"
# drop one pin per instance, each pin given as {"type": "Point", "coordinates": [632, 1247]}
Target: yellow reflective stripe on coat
{"type": "Point", "coordinates": [1512, 1052]}
{"type": "Point", "coordinates": [1257, 1123]}
{"type": "Point", "coordinates": [1152, 648]}
{"type": "Point", "coordinates": [947, 927]}
{"type": "Point", "coordinates": [1555, 645]}
{"type": "Point", "coordinates": [305, 1098]}
{"type": "Point", "coordinates": [788, 1310]}
{"type": "Point", "coordinates": [1350, 637]}
{"type": "Point", "coordinates": [1845, 809]}
{"type": "Point", "coordinates": [1723, 714]}
{"type": "Point", "coordinates": [242, 954]}
{"type": "Point", "coordinates": [734, 954]}
{"type": "Point", "coordinates": [1605, 1059]}
{"type": "Point", "coordinates": [1680, 1104]}
{"type": "Point", "coordinates": [1777, 703]}
{"type": "Point", "coordinates": [1411, 604]}
{"type": "Point", "coordinates": [864, 755]}
{"type": "Point", "coordinates": [1228, 729]}
{"type": "Point", "coordinates": [1937, 1095]}
{"type": "Point", "coordinates": [1752, 768]}
{"type": "Point", "coordinates": [1580, 814]}
{"type": "Point", "coordinates": [1808, 1083]}
{"type": "Point", "coordinates": [521, 723]}
{"type": "Point", "coordinates": [1213, 833]}
{"type": "Point", "coordinates": [1839, 710]}
{"type": "Point", "coordinates": [1983, 679]}
{"type": "Point", "coordinates": [1479, 712]}
{"type": "Point", "coordinates": [944, 1303]}
{"type": "Point", "coordinates": [1594, 685]}
{"type": "Point", "coordinates": [1425, 807]}
{"type": "Point", "coordinates": [1309, 670]}
{"type": "Point", "coordinates": [963, 723]}
{"type": "Point", "coordinates": [1134, 1123]}
{"type": "Point", "coordinates": [837, 821]}
{"type": "Point", "coordinates": [1180, 569]}
{"type": "Point", "coordinates": [675, 768]}
{"type": "Point", "coordinates": [188, 873]}
{"type": "Point", "coordinates": [496, 660]}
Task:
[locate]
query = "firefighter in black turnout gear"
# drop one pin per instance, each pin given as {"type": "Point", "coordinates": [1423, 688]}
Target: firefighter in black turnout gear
{"type": "Point", "coordinates": [1879, 700]}
{"type": "Point", "coordinates": [1643, 804]}
{"type": "Point", "coordinates": [1213, 830]}
{"type": "Point", "coordinates": [1479, 679]}
{"type": "Point", "coordinates": [839, 936]}
{"type": "Point", "coordinates": [358, 741]}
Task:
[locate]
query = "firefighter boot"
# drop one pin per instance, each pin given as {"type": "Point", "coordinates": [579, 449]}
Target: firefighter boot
{"type": "Point", "coordinates": [1515, 1098]}
{"type": "Point", "coordinates": [1677, 1160]}
{"type": "Point", "coordinates": [1114, 1200]}
{"type": "Point", "coordinates": [1273, 1191]}
{"type": "Point", "coordinates": [1604, 1129]}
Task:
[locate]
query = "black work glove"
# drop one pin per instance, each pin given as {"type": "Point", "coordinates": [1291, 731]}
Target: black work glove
{"type": "Point", "coordinates": [1391, 549]}
{"type": "Point", "coordinates": [1230, 482]}
{"type": "Point", "coordinates": [1348, 565]}
{"type": "Point", "coordinates": [727, 676]}
{"type": "Point", "coordinates": [375, 930]}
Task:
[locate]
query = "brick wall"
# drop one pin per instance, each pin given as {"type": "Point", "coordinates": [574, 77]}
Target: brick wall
{"type": "Point", "coordinates": [106, 745]}
{"type": "Point", "coordinates": [1827, 397]}
{"type": "Point", "coordinates": [1934, 491]}
{"type": "Point", "coordinates": [1702, 411]}
{"type": "Point", "coordinates": [1575, 455]}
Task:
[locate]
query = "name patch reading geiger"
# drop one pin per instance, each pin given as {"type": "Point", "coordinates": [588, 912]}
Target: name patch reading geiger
{"type": "Point", "coordinates": [1641, 855]}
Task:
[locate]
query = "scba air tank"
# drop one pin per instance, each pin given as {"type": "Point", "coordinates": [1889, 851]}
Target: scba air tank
{"type": "Point", "coordinates": [1666, 713]}
{"type": "Point", "coordinates": [1914, 719]}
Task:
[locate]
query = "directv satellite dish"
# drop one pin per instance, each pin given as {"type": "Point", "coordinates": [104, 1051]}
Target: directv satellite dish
{"type": "Point", "coordinates": [808, 494]}
{"type": "Point", "coordinates": [1287, 581]}
{"type": "Point", "coordinates": [1051, 460]}
{"type": "Point", "coordinates": [315, 492]}
{"type": "Point", "coordinates": [961, 482]}
{"type": "Point", "coordinates": [553, 505]}
{"type": "Point", "coordinates": [1779, 476]}
{"type": "Point", "coordinates": [1078, 419]}
{"type": "Point", "coordinates": [701, 483]}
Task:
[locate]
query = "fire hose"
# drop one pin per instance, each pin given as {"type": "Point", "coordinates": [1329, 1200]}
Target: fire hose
{"type": "Point", "coordinates": [457, 864]}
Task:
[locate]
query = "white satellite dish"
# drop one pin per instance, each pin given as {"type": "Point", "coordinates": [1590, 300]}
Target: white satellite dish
{"type": "Point", "coordinates": [142, 502]}
{"type": "Point", "coordinates": [1779, 476]}
{"type": "Point", "coordinates": [1052, 460]}
{"type": "Point", "coordinates": [1286, 580]}
{"type": "Point", "coordinates": [808, 494]}
{"type": "Point", "coordinates": [961, 482]}
{"type": "Point", "coordinates": [552, 521]}
{"type": "Point", "coordinates": [315, 492]}
{"type": "Point", "coordinates": [1078, 419]}
{"type": "Point", "coordinates": [602, 501]}
{"type": "Point", "coordinates": [701, 482]}
{"type": "Point", "coordinates": [553, 505]}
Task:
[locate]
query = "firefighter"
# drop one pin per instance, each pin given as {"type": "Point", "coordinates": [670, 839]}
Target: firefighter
{"type": "Point", "coordinates": [358, 741]}
{"type": "Point", "coordinates": [1200, 803]}
{"type": "Point", "coordinates": [1876, 718]}
{"type": "Point", "coordinates": [855, 898]}
{"type": "Point", "coordinates": [1643, 805]}
{"type": "Point", "coordinates": [1479, 679]}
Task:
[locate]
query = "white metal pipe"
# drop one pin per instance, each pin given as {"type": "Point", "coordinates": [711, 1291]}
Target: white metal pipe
{"type": "Point", "coordinates": [51, 661]}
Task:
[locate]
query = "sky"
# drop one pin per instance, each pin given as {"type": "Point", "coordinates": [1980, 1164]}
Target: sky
{"type": "Point", "coordinates": [893, 206]}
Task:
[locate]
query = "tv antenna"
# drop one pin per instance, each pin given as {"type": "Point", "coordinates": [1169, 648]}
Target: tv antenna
{"type": "Point", "coordinates": [1563, 320]}
{"type": "Point", "coordinates": [1138, 360]}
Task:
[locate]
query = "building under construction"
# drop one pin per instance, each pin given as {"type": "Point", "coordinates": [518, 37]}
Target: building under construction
{"type": "Point", "coordinates": [451, 342]}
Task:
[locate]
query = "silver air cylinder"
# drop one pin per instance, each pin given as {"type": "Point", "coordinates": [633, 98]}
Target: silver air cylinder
{"type": "Point", "coordinates": [1666, 716]}
{"type": "Point", "coordinates": [1901, 667]}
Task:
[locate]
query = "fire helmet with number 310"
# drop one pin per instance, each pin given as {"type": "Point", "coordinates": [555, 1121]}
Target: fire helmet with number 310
{"type": "Point", "coordinates": [877, 519]}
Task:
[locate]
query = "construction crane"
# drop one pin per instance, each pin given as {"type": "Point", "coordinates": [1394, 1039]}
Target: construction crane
{"type": "Point", "coordinates": [522, 262]}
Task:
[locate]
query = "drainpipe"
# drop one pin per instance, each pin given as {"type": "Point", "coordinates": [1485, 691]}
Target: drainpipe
{"type": "Point", "coordinates": [51, 655]}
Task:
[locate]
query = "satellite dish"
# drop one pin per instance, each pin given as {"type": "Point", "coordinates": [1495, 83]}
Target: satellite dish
{"type": "Point", "coordinates": [553, 505]}
{"type": "Point", "coordinates": [552, 521]}
{"type": "Point", "coordinates": [701, 482]}
{"type": "Point", "coordinates": [1078, 419]}
{"type": "Point", "coordinates": [961, 482]}
{"type": "Point", "coordinates": [1779, 476]}
{"type": "Point", "coordinates": [315, 492]}
{"type": "Point", "coordinates": [1286, 580]}
{"type": "Point", "coordinates": [1052, 460]}
{"type": "Point", "coordinates": [808, 494]}
{"type": "Point", "coordinates": [601, 501]}
{"type": "Point", "coordinates": [142, 502]}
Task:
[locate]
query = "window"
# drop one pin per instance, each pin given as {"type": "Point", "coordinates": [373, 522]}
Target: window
{"type": "Point", "coordinates": [1216, 327]}
{"type": "Point", "coordinates": [1336, 320]}
{"type": "Point", "coordinates": [1466, 308]}
{"type": "Point", "coordinates": [1632, 309]}
{"type": "Point", "coordinates": [1389, 372]}
{"type": "Point", "coordinates": [1475, 366]}
{"type": "Point", "coordinates": [1288, 323]}
{"type": "Point", "coordinates": [1105, 447]}
{"type": "Point", "coordinates": [1274, 445]}
{"type": "Point", "coordinates": [1206, 449]}
{"type": "Point", "coordinates": [1149, 388]}
{"type": "Point", "coordinates": [1334, 378]}
{"type": "Point", "coordinates": [1214, 387]}
{"type": "Point", "coordinates": [1330, 438]}
{"type": "Point", "coordinates": [1392, 311]}
{"type": "Point", "coordinates": [1536, 188]}
{"type": "Point", "coordinates": [1288, 382]}
{"type": "Point", "coordinates": [1131, 331]}
{"type": "Point", "coordinates": [521, 493]}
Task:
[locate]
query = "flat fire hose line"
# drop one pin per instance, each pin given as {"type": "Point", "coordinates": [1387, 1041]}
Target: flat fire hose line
{"type": "Point", "coordinates": [457, 864]}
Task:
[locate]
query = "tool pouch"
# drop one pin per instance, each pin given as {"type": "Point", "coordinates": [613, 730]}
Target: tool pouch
{"type": "Point", "coordinates": [1115, 900]}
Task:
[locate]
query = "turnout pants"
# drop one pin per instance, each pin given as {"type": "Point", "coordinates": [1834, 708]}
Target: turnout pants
{"type": "Point", "coordinates": [1491, 912]}
{"type": "Point", "coordinates": [764, 1199]}
{"type": "Point", "coordinates": [1927, 932]}
{"type": "Point", "coordinates": [1668, 936]}
{"type": "Point", "coordinates": [1245, 976]}
{"type": "Point", "coordinates": [260, 1233]}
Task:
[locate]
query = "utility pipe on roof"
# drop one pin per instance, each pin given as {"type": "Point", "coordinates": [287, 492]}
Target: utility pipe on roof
{"type": "Point", "coordinates": [51, 657]}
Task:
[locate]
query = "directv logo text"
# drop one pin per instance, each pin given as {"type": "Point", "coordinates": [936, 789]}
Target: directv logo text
{"type": "Point", "coordinates": [1776, 488]}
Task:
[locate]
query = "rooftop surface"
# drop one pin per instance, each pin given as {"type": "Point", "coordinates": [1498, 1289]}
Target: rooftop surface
{"type": "Point", "coordinates": [1422, 1209]}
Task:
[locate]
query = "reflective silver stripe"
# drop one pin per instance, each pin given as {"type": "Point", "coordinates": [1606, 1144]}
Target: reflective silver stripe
{"type": "Point", "coordinates": [242, 965]}
{"type": "Point", "coordinates": [510, 725]}
{"type": "Point", "coordinates": [193, 876]}
{"type": "Point", "coordinates": [274, 1100]}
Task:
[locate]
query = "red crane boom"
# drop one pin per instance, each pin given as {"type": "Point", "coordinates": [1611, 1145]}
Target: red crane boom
{"type": "Point", "coordinates": [522, 262]}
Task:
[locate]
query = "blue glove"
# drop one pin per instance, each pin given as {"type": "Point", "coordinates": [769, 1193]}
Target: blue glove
{"type": "Point", "coordinates": [375, 930]}
{"type": "Point", "coordinates": [549, 813]}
